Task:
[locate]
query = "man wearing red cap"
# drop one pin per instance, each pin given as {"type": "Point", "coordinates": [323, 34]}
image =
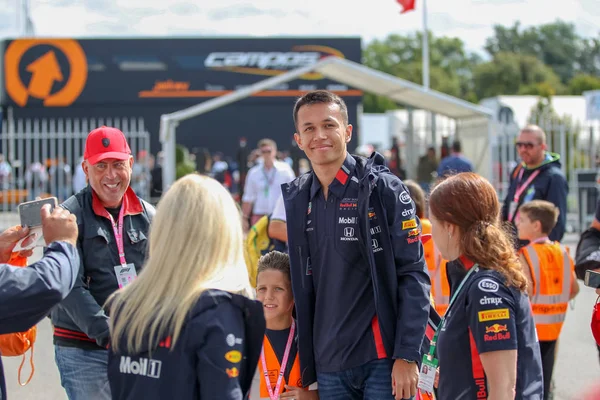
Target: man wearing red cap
{"type": "Point", "coordinates": [113, 229]}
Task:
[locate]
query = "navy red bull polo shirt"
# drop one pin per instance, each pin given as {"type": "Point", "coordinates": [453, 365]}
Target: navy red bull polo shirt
{"type": "Point", "coordinates": [486, 316]}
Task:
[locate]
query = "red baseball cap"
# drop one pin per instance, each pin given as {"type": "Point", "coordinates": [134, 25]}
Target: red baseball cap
{"type": "Point", "coordinates": [106, 142]}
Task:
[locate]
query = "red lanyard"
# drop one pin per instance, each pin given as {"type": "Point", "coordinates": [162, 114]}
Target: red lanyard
{"type": "Point", "coordinates": [521, 188]}
{"type": "Point", "coordinates": [118, 231]}
{"type": "Point", "coordinates": [284, 361]}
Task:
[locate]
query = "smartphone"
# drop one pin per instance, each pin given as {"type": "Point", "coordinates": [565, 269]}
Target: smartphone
{"type": "Point", "coordinates": [592, 279]}
{"type": "Point", "coordinates": [30, 212]}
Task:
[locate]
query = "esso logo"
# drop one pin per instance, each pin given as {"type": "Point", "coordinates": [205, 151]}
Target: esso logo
{"type": "Point", "coordinates": [488, 285]}
{"type": "Point", "coordinates": [405, 197]}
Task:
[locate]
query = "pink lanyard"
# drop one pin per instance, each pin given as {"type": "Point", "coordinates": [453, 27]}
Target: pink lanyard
{"type": "Point", "coordinates": [118, 231]}
{"type": "Point", "coordinates": [286, 355]}
{"type": "Point", "coordinates": [521, 188]}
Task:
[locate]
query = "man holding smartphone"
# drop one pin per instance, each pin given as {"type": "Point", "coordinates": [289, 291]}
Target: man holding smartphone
{"type": "Point", "coordinates": [113, 229]}
{"type": "Point", "coordinates": [28, 294]}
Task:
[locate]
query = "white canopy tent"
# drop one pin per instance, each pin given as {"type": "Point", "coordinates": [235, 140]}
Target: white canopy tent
{"type": "Point", "coordinates": [473, 122]}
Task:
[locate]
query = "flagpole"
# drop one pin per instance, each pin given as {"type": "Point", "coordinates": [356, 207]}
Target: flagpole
{"type": "Point", "coordinates": [425, 46]}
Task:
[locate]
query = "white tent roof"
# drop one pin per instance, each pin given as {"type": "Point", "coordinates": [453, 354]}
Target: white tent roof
{"type": "Point", "coordinates": [357, 76]}
{"type": "Point", "coordinates": [340, 70]}
{"type": "Point", "coordinates": [399, 90]}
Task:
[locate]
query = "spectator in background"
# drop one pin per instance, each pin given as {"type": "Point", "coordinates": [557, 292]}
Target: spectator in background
{"type": "Point", "coordinates": [203, 160]}
{"type": "Point", "coordinates": [60, 179]}
{"type": "Point", "coordinates": [427, 169]}
{"type": "Point", "coordinates": [5, 173]}
{"type": "Point", "coordinates": [156, 176]}
{"type": "Point", "coordinates": [79, 179]}
{"type": "Point", "coordinates": [242, 161]}
{"type": "Point", "coordinates": [296, 154]}
{"type": "Point", "coordinates": [220, 170]}
{"type": "Point", "coordinates": [538, 177]}
{"type": "Point", "coordinates": [140, 179]}
{"type": "Point", "coordinates": [36, 179]}
{"type": "Point", "coordinates": [395, 163]}
{"type": "Point", "coordinates": [455, 163]}
{"type": "Point", "coordinates": [263, 185]}
{"type": "Point", "coordinates": [445, 148]}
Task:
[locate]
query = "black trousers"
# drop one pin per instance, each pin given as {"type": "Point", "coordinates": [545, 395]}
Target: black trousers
{"type": "Point", "coordinates": [548, 353]}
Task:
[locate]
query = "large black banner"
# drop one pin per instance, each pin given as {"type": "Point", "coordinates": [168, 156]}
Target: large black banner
{"type": "Point", "coordinates": [116, 72]}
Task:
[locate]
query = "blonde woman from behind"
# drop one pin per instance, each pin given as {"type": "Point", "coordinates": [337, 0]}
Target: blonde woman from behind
{"type": "Point", "coordinates": [186, 328]}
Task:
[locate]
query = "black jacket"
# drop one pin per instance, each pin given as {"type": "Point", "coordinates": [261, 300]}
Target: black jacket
{"type": "Point", "coordinates": [215, 356]}
{"type": "Point", "coordinates": [400, 280]}
{"type": "Point", "coordinates": [550, 185]}
{"type": "Point", "coordinates": [27, 294]}
{"type": "Point", "coordinates": [81, 312]}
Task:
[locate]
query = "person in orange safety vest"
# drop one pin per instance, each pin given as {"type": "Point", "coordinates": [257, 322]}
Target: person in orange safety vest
{"type": "Point", "coordinates": [440, 289]}
{"type": "Point", "coordinates": [551, 275]}
{"type": "Point", "coordinates": [279, 364]}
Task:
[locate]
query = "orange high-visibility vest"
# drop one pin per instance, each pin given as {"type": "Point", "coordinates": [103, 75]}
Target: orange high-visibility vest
{"type": "Point", "coordinates": [551, 268]}
{"type": "Point", "coordinates": [273, 366]}
{"type": "Point", "coordinates": [440, 289]}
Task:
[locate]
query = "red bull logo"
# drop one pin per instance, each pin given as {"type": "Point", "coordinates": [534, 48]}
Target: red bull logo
{"type": "Point", "coordinates": [414, 232]}
{"type": "Point", "coordinates": [496, 328]}
{"type": "Point", "coordinates": [495, 332]}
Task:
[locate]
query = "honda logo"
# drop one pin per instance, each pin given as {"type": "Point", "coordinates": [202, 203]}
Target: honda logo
{"type": "Point", "coordinates": [349, 232]}
{"type": "Point", "coordinates": [375, 244]}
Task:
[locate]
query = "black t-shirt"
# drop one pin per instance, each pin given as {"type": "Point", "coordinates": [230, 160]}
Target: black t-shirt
{"type": "Point", "coordinates": [278, 340]}
{"type": "Point", "coordinates": [114, 212]}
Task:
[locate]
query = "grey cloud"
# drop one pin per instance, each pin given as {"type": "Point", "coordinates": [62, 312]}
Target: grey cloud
{"type": "Point", "coordinates": [105, 7]}
{"type": "Point", "coordinates": [244, 10]}
{"type": "Point", "coordinates": [109, 8]}
{"type": "Point", "coordinates": [7, 21]}
{"type": "Point", "coordinates": [184, 9]}
{"type": "Point", "coordinates": [111, 28]}
{"type": "Point", "coordinates": [443, 21]}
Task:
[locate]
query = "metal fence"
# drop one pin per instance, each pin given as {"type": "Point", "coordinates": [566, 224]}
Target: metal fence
{"type": "Point", "coordinates": [578, 145]}
{"type": "Point", "coordinates": [42, 157]}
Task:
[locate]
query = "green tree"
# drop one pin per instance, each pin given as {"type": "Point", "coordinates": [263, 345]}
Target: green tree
{"type": "Point", "coordinates": [582, 82]}
{"type": "Point", "coordinates": [183, 164]}
{"type": "Point", "coordinates": [588, 60]}
{"type": "Point", "coordinates": [556, 44]}
{"type": "Point", "coordinates": [510, 73]}
{"type": "Point", "coordinates": [450, 67]}
{"type": "Point", "coordinates": [554, 125]}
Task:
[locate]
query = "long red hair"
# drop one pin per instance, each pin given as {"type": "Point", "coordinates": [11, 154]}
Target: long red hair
{"type": "Point", "coordinates": [470, 202]}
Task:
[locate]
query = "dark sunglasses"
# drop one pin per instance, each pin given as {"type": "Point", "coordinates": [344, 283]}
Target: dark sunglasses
{"type": "Point", "coordinates": [527, 145]}
{"type": "Point", "coordinates": [266, 151]}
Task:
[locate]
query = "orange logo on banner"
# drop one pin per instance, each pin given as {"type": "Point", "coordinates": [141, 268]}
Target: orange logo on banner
{"type": "Point", "coordinates": [45, 71]}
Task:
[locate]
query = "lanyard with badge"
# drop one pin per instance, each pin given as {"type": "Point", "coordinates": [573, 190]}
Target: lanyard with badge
{"type": "Point", "coordinates": [520, 189]}
{"type": "Point", "coordinates": [274, 394]}
{"type": "Point", "coordinates": [430, 363]}
{"type": "Point", "coordinates": [269, 181]}
{"type": "Point", "coordinates": [125, 272]}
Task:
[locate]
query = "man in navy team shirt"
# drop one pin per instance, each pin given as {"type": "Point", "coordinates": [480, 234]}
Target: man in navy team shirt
{"type": "Point", "coordinates": [359, 278]}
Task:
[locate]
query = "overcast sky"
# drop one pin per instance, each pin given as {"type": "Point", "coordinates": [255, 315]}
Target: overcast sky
{"type": "Point", "coordinates": [470, 20]}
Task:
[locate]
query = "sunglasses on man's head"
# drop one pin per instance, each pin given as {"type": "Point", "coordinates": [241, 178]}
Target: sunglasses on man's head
{"type": "Point", "coordinates": [527, 145]}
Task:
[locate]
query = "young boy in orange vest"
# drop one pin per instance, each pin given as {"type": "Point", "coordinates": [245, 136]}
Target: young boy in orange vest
{"type": "Point", "coordinates": [550, 271]}
{"type": "Point", "coordinates": [440, 289]}
{"type": "Point", "coordinates": [279, 364]}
